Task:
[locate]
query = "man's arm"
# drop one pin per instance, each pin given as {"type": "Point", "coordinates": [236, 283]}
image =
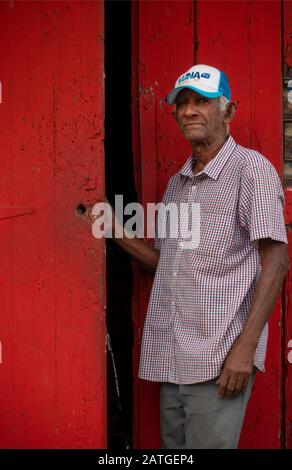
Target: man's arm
{"type": "Point", "coordinates": [146, 255]}
{"type": "Point", "coordinates": [137, 248]}
{"type": "Point", "coordinates": [239, 362]}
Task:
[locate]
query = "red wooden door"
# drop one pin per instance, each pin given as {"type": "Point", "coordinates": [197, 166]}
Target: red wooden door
{"type": "Point", "coordinates": [52, 322]}
{"type": "Point", "coordinates": [244, 39]}
{"type": "Point", "coordinates": [287, 83]}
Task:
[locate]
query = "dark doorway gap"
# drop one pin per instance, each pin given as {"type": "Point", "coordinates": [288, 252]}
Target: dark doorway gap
{"type": "Point", "coordinates": [119, 180]}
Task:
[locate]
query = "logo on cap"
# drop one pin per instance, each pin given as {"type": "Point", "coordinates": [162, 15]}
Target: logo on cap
{"type": "Point", "coordinates": [196, 75]}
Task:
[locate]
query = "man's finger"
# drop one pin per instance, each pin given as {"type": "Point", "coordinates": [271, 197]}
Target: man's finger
{"type": "Point", "coordinates": [230, 388]}
{"type": "Point", "coordinates": [222, 383]}
{"type": "Point", "coordinates": [245, 381]}
{"type": "Point", "coordinates": [239, 387]}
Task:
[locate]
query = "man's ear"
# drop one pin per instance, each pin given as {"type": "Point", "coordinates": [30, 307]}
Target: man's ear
{"type": "Point", "coordinates": [230, 111]}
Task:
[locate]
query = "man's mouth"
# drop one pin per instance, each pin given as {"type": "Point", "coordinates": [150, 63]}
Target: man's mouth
{"type": "Point", "coordinates": [193, 124]}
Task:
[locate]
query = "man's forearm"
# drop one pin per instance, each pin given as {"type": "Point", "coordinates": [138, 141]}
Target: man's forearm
{"type": "Point", "coordinates": [267, 290]}
{"type": "Point", "coordinates": [145, 254]}
{"type": "Point", "coordinates": [240, 359]}
{"type": "Point", "coordinates": [137, 248]}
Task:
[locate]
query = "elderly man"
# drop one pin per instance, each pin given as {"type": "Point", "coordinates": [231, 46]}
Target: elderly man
{"type": "Point", "coordinates": [206, 329]}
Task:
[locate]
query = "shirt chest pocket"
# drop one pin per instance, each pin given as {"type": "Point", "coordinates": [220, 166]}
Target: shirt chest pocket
{"type": "Point", "coordinates": [216, 230]}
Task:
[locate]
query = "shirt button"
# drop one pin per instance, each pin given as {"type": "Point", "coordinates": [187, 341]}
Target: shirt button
{"type": "Point", "coordinates": [174, 273]}
{"type": "Point", "coordinates": [173, 303]}
{"type": "Point", "coordinates": [194, 187]}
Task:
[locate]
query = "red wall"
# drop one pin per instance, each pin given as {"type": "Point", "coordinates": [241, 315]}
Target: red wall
{"type": "Point", "coordinates": [287, 321]}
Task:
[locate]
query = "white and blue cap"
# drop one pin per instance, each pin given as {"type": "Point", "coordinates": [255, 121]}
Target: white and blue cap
{"type": "Point", "coordinates": [205, 80]}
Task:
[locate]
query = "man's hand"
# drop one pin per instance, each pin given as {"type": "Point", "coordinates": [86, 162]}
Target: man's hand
{"type": "Point", "coordinates": [237, 370]}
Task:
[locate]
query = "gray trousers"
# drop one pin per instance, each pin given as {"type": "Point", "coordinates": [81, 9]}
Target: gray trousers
{"type": "Point", "coordinates": [195, 417]}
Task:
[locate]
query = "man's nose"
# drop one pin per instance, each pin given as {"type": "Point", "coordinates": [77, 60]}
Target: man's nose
{"type": "Point", "coordinates": [190, 109]}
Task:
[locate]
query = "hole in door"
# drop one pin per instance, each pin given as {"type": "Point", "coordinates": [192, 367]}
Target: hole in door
{"type": "Point", "coordinates": [119, 180]}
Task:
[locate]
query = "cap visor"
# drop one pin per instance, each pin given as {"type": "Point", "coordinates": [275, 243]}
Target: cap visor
{"type": "Point", "coordinates": [171, 97]}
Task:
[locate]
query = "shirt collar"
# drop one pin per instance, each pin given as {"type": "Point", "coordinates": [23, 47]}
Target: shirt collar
{"type": "Point", "coordinates": [215, 166]}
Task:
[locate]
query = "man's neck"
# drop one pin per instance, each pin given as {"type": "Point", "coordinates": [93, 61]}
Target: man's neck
{"type": "Point", "coordinates": [205, 152]}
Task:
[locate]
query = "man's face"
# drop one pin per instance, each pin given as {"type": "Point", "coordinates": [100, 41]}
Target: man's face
{"type": "Point", "coordinates": [200, 119]}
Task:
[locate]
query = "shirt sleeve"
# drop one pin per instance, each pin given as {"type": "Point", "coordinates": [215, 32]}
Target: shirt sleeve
{"type": "Point", "coordinates": [165, 200]}
{"type": "Point", "coordinates": [261, 204]}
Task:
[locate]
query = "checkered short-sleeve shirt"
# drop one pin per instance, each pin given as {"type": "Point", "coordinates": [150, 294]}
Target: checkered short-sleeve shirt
{"type": "Point", "coordinates": [201, 297]}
